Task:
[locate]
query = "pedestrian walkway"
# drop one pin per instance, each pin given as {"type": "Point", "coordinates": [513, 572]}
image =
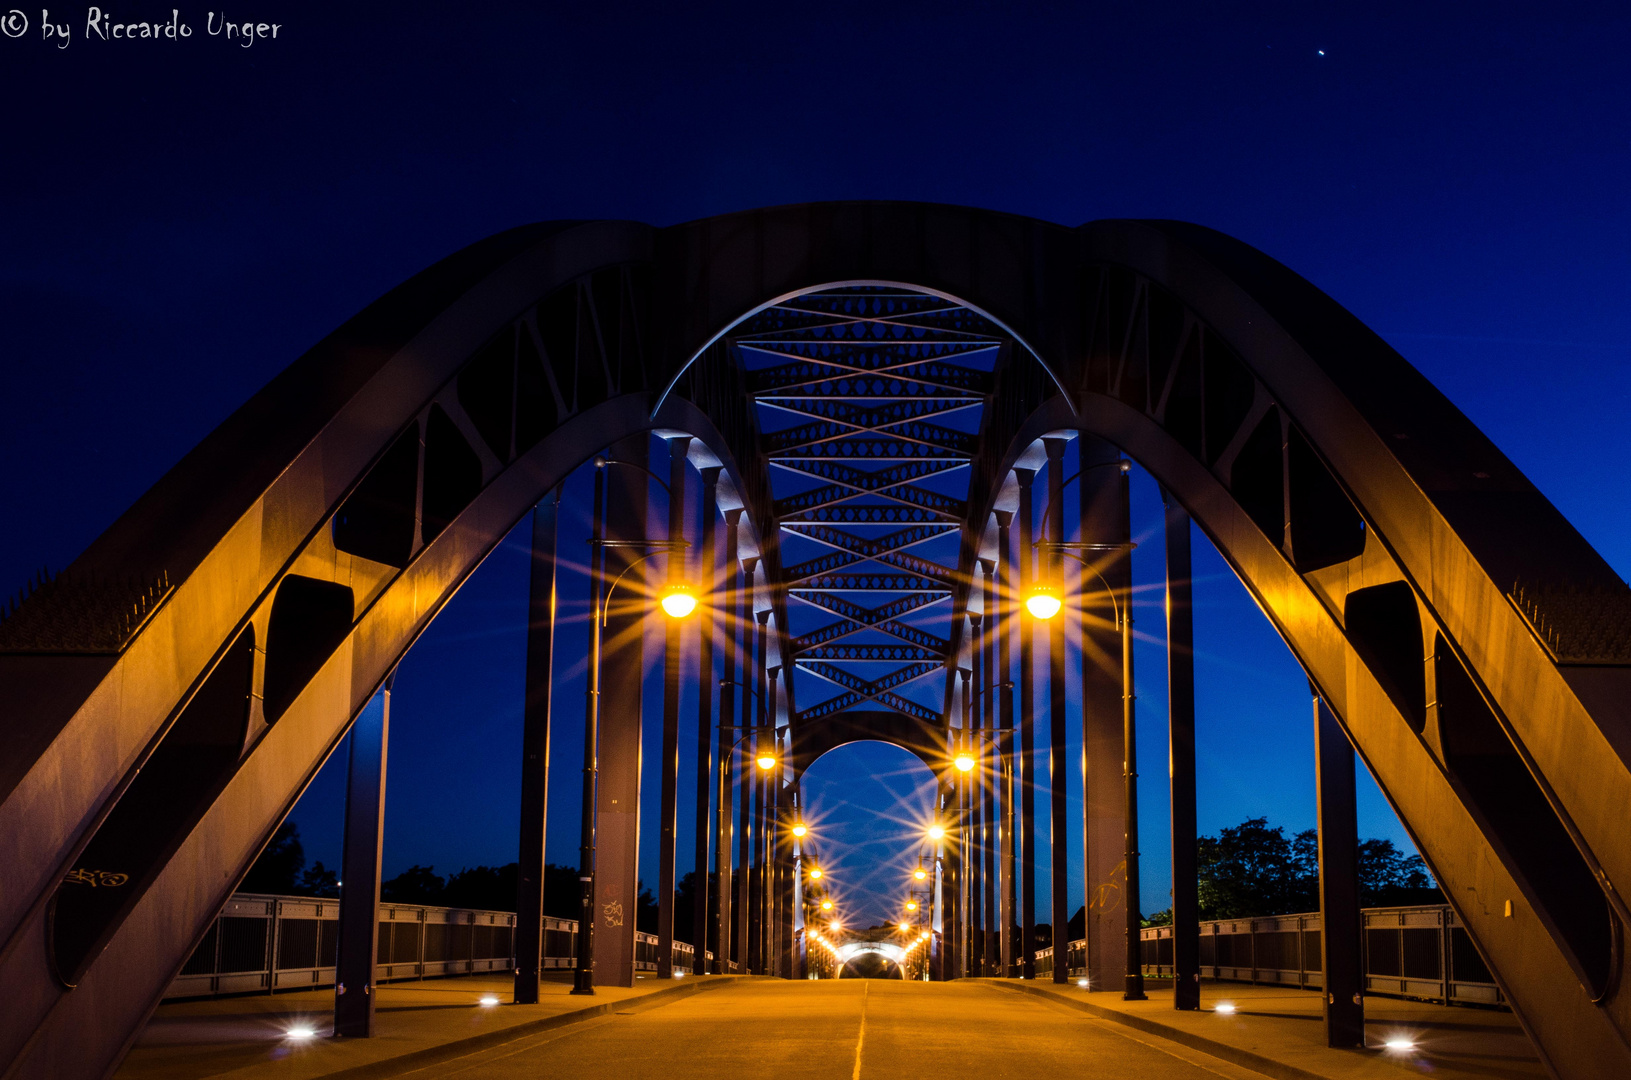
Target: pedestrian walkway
{"type": "Point", "coordinates": [1279, 1032]}
{"type": "Point", "coordinates": [256, 1037]}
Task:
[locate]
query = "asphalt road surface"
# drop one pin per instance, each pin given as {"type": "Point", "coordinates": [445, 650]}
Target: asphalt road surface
{"type": "Point", "coordinates": [841, 1030]}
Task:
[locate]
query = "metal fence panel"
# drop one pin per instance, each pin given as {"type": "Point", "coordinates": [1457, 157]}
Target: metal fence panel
{"type": "Point", "coordinates": [1415, 952]}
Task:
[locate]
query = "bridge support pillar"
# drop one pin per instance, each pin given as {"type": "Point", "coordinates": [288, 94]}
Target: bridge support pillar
{"type": "Point", "coordinates": [1339, 881]}
{"type": "Point", "coordinates": [988, 768]}
{"type": "Point", "coordinates": [359, 863]}
{"type": "Point", "coordinates": [1053, 573]}
{"type": "Point", "coordinates": [668, 825]}
{"type": "Point", "coordinates": [1005, 660]}
{"type": "Point", "coordinates": [529, 901]}
{"type": "Point", "coordinates": [1025, 770]}
{"type": "Point", "coordinates": [1110, 908]}
{"type": "Point", "coordinates": [621, 669]}
{"type": "Point", "coordinates": [708, 579]}
{"type": "Point", "coordinates": [1186, 929]}
{"type": "Point", "coordinates": [728, 678]}
{"type": "Point", "coordinates": [745, 774]}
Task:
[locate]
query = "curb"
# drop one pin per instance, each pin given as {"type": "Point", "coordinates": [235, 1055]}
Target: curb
{"type": "Point", "coordinates": [432, 1055]}
{"type": "Point", "coordinates": [1279, 1070]}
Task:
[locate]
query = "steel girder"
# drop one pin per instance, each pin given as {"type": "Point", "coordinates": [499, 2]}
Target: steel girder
{"type": "Point", "coordinates": [870, 399]}
{"type": "Point", "coordinates": [1374, 524]}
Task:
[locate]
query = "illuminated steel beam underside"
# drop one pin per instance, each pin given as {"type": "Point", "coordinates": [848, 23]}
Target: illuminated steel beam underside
{"type": "Point", "coordinates": [880, 384]}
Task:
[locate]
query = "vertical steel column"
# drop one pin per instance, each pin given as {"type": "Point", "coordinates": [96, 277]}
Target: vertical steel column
{"type": "Point", "coordinates": [728, 677]}
{"type": "Point", "coordinates": [1123, 583]}
{"type": "Point", "coordinates": [622, 664]}
{"type": "Point", "coordinates": [1186, 927]}
{"type": "Point", "coordinates": [583, 981]}
{"type": "Point", "coordinates": [1339, 881]}
{"type": "Point", "coordinates": [976, 804]}
{"type": "Point", "coordinates": [989, 767]}
{"type": "Point", "coordinates": [1005, 661]}
{"type": "Point", "coordinates": [1111, 903]}
{"type": "Point", "coordinates": [964, 844]}
{"type": "Point", "coordinates": [708, 580]}
{"type": "Point", "coordinates": [785, 867]}
{"type": "Point", "coordinates": [529, 900]}
{"type": "Point", "coordinates": [1053, 574]}
{"type": "Point", "coordinates": [951, 885]}
{"type": "Point", "coordinates": [771, 836]}
{"type": "Point", "coordinates": [359, 861]}
{"type": "Point", "coordinates": [668, 827]}
{"type": "Point", "coordinates": [1027, 731]}
{"type": "Point", "coordinates": [744, 830]}
{"type": "Point", "coordinates": [756, 879]}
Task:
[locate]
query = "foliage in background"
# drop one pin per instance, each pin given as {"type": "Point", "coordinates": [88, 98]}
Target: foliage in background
{"type": "Point", "coordinates": [1254, 870]}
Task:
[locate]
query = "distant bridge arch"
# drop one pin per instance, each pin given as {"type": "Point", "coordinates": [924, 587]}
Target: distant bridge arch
{"type": "Point", "coordinates": [293, 557]}
{"type": "Point", "coordinates": [886, 949]}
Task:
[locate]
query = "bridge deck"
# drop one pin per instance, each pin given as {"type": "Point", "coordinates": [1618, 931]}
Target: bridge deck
{"type": "Point", "coordinates": [1278, 1031]}
{"type": "Point", "coordinates": [770, 1027]}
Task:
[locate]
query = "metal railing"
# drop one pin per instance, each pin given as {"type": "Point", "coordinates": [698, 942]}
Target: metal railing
{"type": "Point", "coordinates": [1413, 952]}
{"type": "Point", "coordinates": [269, 943]}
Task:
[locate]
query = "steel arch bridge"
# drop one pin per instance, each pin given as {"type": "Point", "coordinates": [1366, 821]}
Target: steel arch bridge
{"type": "Point", "coordinates": [1473, 646]}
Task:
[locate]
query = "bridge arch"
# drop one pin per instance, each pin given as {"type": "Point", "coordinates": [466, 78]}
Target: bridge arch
{"type": "Point", "coordinates": [886, 949]}
{"type": "Point", "coordinates": [1365, 513]}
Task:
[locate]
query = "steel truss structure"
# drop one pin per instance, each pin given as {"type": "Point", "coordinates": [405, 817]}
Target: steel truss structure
{"type": "Point", "coordinates": [171, 693]}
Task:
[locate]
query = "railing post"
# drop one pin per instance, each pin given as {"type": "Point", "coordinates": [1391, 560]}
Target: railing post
{"type": "Point", "coordinates": [1339, 881]}
{"type": "Point", "coordinates": [541, 603]}
{"type": "Point", "coordinates": [360, 860]}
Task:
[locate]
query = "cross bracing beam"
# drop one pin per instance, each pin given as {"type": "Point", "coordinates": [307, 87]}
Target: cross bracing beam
{"type": "Point", "coordinates": [818, 574]}
{"type": "Point", "coordinates": [777, 445]}
{"type": "Point", "coordinates": [940, 506]}
{"type": "Point", "coordinates": [829, 583]}
{"type": "Point", "coordinates": [869, 654]}
{"type": "Point", "coordinates": [952, 323]}
{"type": "Point", "coordinates": [855, 448]}
{"type": "Point", "coordinates": [860, 374]}
{"type": "Point", "coordinates": [850, 698]}
{"type": "Point", "coordinates": [895, 541]}
{"type": "Point", "coordinates": [868, 688]}
{"type": "Point", "coordinates": [914, 349]}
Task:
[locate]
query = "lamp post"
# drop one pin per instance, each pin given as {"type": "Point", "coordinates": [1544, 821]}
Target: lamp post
{"type": "Point", "coordinates": [600, 602]}
{"type": "Point", "coordinates": [1044, 603]}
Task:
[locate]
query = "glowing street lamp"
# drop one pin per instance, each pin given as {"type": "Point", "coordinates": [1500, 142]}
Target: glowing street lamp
{"type": "Point", "coordinates": [826, 905]}
{"type": "Point", "coordinates": [678, 600]}
{"type": "Point", "coordinates": [964, 760]}
{"type": "Point", "coordinates": [766, 760]}
{"type": "Point", "coordinates": [1044, 602]}
{"type": "Point", "coordinates": [911, 905]}
{"type": "Point", "coordinates": [920, 874]}
{"type": "Point", "coordinates": [800, 829]}
{"type": "Point", "coordinates": [937, 831]}
{"type": "Point", "coordinates": [815, 873]}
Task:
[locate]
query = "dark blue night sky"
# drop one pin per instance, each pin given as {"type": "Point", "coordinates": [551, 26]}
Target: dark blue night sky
{"type": "Point", "coordinates": [182, 219]}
